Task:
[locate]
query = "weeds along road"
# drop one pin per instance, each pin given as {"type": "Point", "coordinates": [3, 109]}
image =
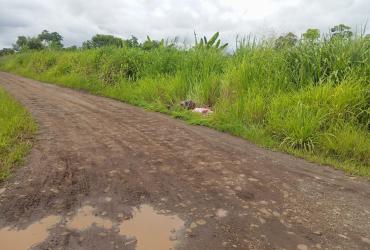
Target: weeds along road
{"type": "Point", "coordinates": [102, 174]}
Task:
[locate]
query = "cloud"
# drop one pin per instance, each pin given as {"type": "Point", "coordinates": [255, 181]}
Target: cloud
{"type": "Point", "coordinates": [79, 20]}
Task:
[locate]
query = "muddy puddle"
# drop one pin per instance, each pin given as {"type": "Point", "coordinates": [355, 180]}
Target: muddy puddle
{"type": "Point", "coordinates": [34, 234]}
{"type": "Point", "coordinates": [151, 230]}
{"type": "Point", "coordinates": [86, 218]}
{"type": "Point", "coordinates": [147, 229]}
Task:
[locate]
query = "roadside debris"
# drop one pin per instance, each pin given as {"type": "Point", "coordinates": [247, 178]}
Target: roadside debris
{"type": "Point", "coordinates": [203, 110]}
{"type": "Point", "coordinates": [190, 105]}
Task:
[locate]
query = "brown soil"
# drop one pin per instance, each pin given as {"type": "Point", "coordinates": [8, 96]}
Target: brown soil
{"type": "Point", "coordinates": [96, 163]}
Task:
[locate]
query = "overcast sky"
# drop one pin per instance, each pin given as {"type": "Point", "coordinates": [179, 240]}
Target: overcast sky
{"type": "Point", "coordinates": [79, 20]}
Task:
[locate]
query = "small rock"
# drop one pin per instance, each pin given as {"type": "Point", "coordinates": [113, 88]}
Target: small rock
{"type": "Point", "coordinates": [302, 247]}
{"type": "Point", "coordinates": [2, 190]}
{"type": "Point", "coordinates": [193, 225]}
{"type": "Point", "coordinates": [130, 242]}
{"type": "Point", "coordinates": [201, 222]}
{"type": "Point", "coordinates": [54, 190]}
{"type": "Point", "coordinates": [182, 204]}
{"type": "Point", "coordinates": [318, 233]}
{"type": "Point", "coordinates": [366, 240]}
{"type": "Point", "coordinates": [343, 236]}
{"type": "Point", "coordinates": [113, 172]}
{"type": "Point", "coordinates": [108, 199]}
{"type": "Point", "coordinates": [276, 214]}
{"type": "Point", "coordinates": [173, 237]}
{"type": "Point", "coordinates": [265, 211]}
{"type": "Point", "coordinates": [221, 213]}
{"type": "Point", "coordinates": [252, 179]}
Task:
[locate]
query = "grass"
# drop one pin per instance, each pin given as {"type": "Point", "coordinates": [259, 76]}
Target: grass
{"type": "Point", "coordinates": [16, 130]}
{"type": "Point", "coordinates": [311, 100]}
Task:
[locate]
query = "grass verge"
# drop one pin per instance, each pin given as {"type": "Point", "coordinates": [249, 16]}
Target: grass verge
{"type": "Point", "coordinates": [16, 131]}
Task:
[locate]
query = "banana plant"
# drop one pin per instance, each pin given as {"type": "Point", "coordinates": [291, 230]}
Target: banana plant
{"type": "Point", "coordinates": [213, 42]}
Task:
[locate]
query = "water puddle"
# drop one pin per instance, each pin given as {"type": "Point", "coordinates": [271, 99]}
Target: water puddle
{"type": "Point", "coordinates": [152, 231]}
{"type": "Point", "coordinates": [34, 234]}
{"type": "Point", "coordinates": [85, 218]}
{"type": "Point", "coordinates": [149, 229]}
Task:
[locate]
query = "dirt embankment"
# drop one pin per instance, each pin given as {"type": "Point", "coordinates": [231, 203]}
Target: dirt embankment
{"type": "Point", "coordinates": [103, 174]}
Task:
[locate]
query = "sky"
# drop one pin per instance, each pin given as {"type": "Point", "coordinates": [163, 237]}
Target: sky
{"type": "Point", "coordinates": [79, 20]}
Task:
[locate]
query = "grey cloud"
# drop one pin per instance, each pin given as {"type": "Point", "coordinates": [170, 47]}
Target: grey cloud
{"type": "Point", "coordinates": [78, 20]}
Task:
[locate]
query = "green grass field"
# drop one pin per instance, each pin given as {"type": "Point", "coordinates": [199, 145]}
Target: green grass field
{"type": "Point", "coordinates": [16, 131]}
{"type": "Point", "coordinates": [311, 100]}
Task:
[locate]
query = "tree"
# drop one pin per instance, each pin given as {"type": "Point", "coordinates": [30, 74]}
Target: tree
{"type": "Point", "coordinates": [287, 41]}
{"type": "Point", "coordinates": [87, 45]}
{"type": "Point", "coordinates": [45, 39]}
{"type": "Point", "coordinates": [100, 40]}
{"type": "Point", "coordinates": [21, 43]}
{"type": "Point", "coordinates": [34, 43]}
{"type": "Point", "coordinates": [6, 51]}
{"type": "Point", "coordinates": [71, 48]}
{"type": "Point", "coordinates": [24, 43]}
{"type": "Point", "coordinates": [51, 40]}
{"type": "Point", "coordinates": [133, 42]}
{"type": "Point", "coordinates": [341, 31]}
{"type": "Point", "coordinates": [311, 35]}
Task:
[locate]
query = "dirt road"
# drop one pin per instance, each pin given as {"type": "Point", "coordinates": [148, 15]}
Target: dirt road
{"type": "Point", "coordinates": [106, 175]}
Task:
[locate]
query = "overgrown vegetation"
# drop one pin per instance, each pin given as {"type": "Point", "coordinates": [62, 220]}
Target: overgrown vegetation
{"type": "Point", "coordinates": [16, 130]}
{"type": "Point", "coordinates": [308, 96]}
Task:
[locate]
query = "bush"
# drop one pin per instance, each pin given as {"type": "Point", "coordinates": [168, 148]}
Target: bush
{"type": "Point", "coordinates": [295, 123]}
{"type": "Point", "coordinates": [348, 143]}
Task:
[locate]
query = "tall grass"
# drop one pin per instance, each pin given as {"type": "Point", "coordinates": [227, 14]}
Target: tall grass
{"type": "Point", "coordinates": [311, 100]}
{"type": "Point", "coordinates": [16, 129]}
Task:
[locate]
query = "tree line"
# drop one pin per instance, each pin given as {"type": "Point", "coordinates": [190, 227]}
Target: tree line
{"type": "Point", "coordinates": [53, 41]}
